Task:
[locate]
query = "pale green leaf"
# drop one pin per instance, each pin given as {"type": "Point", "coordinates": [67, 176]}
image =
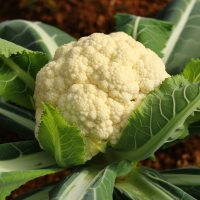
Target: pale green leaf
{"type": "Point", "coordinates": [61, 139]}
{"type": "Point", "coordinates": [90, 183]}
{"type": "Point", "coordinates": [158, 118]}
{"type": "Point", "coordinates": [192, 71]}
{"type": "Point", "coordinates": [8, 49]}
{"type": "Point", "coordinates": [151, 32]}
{"type": "Point", "coordinates": [18, 69]}
{"type": "Point", "coordinates": [36, 36]}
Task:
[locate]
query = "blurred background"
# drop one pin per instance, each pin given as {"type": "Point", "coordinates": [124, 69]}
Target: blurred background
{"type": "Point", "coordinates": [78, 17]}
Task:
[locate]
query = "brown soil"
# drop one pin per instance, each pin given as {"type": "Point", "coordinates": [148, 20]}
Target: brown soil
{"type": "Point", "coordinates": [77, 17]}
{"type": "Point", "coordinates": [80, 18]}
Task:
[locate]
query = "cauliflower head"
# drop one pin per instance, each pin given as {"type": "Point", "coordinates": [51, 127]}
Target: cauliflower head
{"type": "Point", "coordinates": [97, 81]}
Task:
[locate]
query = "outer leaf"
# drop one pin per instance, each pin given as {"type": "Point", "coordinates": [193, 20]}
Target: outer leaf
{"type": "Point", "coordinates": [19, 156]}
{"type": "Point", "coordinates": [147, 184]}
{"type": "Point", "coordinates": [192, 71]}
{"type": "Point", "coordinates": [12, 180]}
{"type": "Point", "coordinates": [18, 68]}
{"type": "Point", "coordinates": [62, 140]}
{"type": "Point", "coordinates": [182, 44]}
{"type": "Point", "coordinates": [36, 36]}
{"type": "Point", "coordinates": [187, 179]}
{"type": "Point", "coordinates": [17, 120]}
{"type": "Point", "coordinates": [91, 183]}
{"type": "Point", "coordinates": [185, 176]}
{"type": "Point", "coordinates": [7, 48]}
{"type": "Point", "coordinates": [158, 119]}
{"type": "Point", "coordinates": [152, 33]}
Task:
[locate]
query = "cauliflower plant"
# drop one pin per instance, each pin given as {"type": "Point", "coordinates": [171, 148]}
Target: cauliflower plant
{"type": "Point", "coordinates": [97, 81]}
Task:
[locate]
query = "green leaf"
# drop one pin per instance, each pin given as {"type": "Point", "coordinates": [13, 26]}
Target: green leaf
{"type": "Point", "coordinates": [10, 181]}
{"type": "Point", "coordinates": [183, 42]}
{"type": "Point", "coordinates": [185, 176]}
{"type": "Point", "coordinates": [187, 179]}
{"type": "Point", "coordinates": [90, 183]}
{"type": "Point", "coordinates": [151, 32]}
{"type": "Point", "coordinates": [22, 162]}
{"type": "Point", "coordinates": [158, 119]}
{"type": "Point", "coordinates": [26, 155]}
{"type": "Point", "coordinates": [36, 36]}
{"type": "Point", "coordinates": [61, 139]}
{"type": "Point", "coordinates": [8, 49]}
{"type": "Point", "coordinates": [17, 120]}
{"type": "Point", "coordinates": [146, 184]}
{"type": "Point", "coordinates": [177, 47]}
{"type": "Point", "coordinates": [192, 71]}
{"type": "Point", "coordinates": [18, 69]}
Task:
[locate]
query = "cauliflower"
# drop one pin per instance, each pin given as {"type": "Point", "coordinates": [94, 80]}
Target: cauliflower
{"type": "Point", "coordinates": [97, 81]}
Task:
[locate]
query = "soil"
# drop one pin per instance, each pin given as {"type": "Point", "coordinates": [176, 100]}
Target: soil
{"type": "Point", "coordinates": [80, 18]}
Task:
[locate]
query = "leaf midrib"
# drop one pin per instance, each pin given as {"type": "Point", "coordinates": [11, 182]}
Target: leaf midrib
{"type": "Point", "coordinates": [27, 162]}
{"type": "Point", "coordinates": [24, 76]}
{"type": "Point", "coordinates": [182, 179]}
{"type": "Point", "coordinates": [161, 136]}
{"type": "Point", "coordinates": [172, 41]}
{"type": "Point", "coordinates": [48, 42]}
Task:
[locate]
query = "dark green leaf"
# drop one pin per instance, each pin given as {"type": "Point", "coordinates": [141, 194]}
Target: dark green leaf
{"type": "Point", "coordinates": [192, 71]}
{"type": "Point", "coordinates": [117, 195]}
{"type": "Point", "coordinates": [17, 120]}
{"type": "Point", "coordinates": [151, 32]}
{"type": "Point", "coordinates": [18, 68]}
{"type": "Point", "coordinates": [183, 43]}
{"type": "Point", "coordinates": [26, 155]}
{"type": "Point", "coordinates": [146, 184]}
{"type": "Point", "coordinates": [21, 162]}
{"type": "Point", "coordinates": [187, 179]}
{"type": "Point", "coordinates": [36, 36]}
{"type": "Point", "coordinates": [185, 176]}
{"type": "Point", "coordinates": [10, 181]}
